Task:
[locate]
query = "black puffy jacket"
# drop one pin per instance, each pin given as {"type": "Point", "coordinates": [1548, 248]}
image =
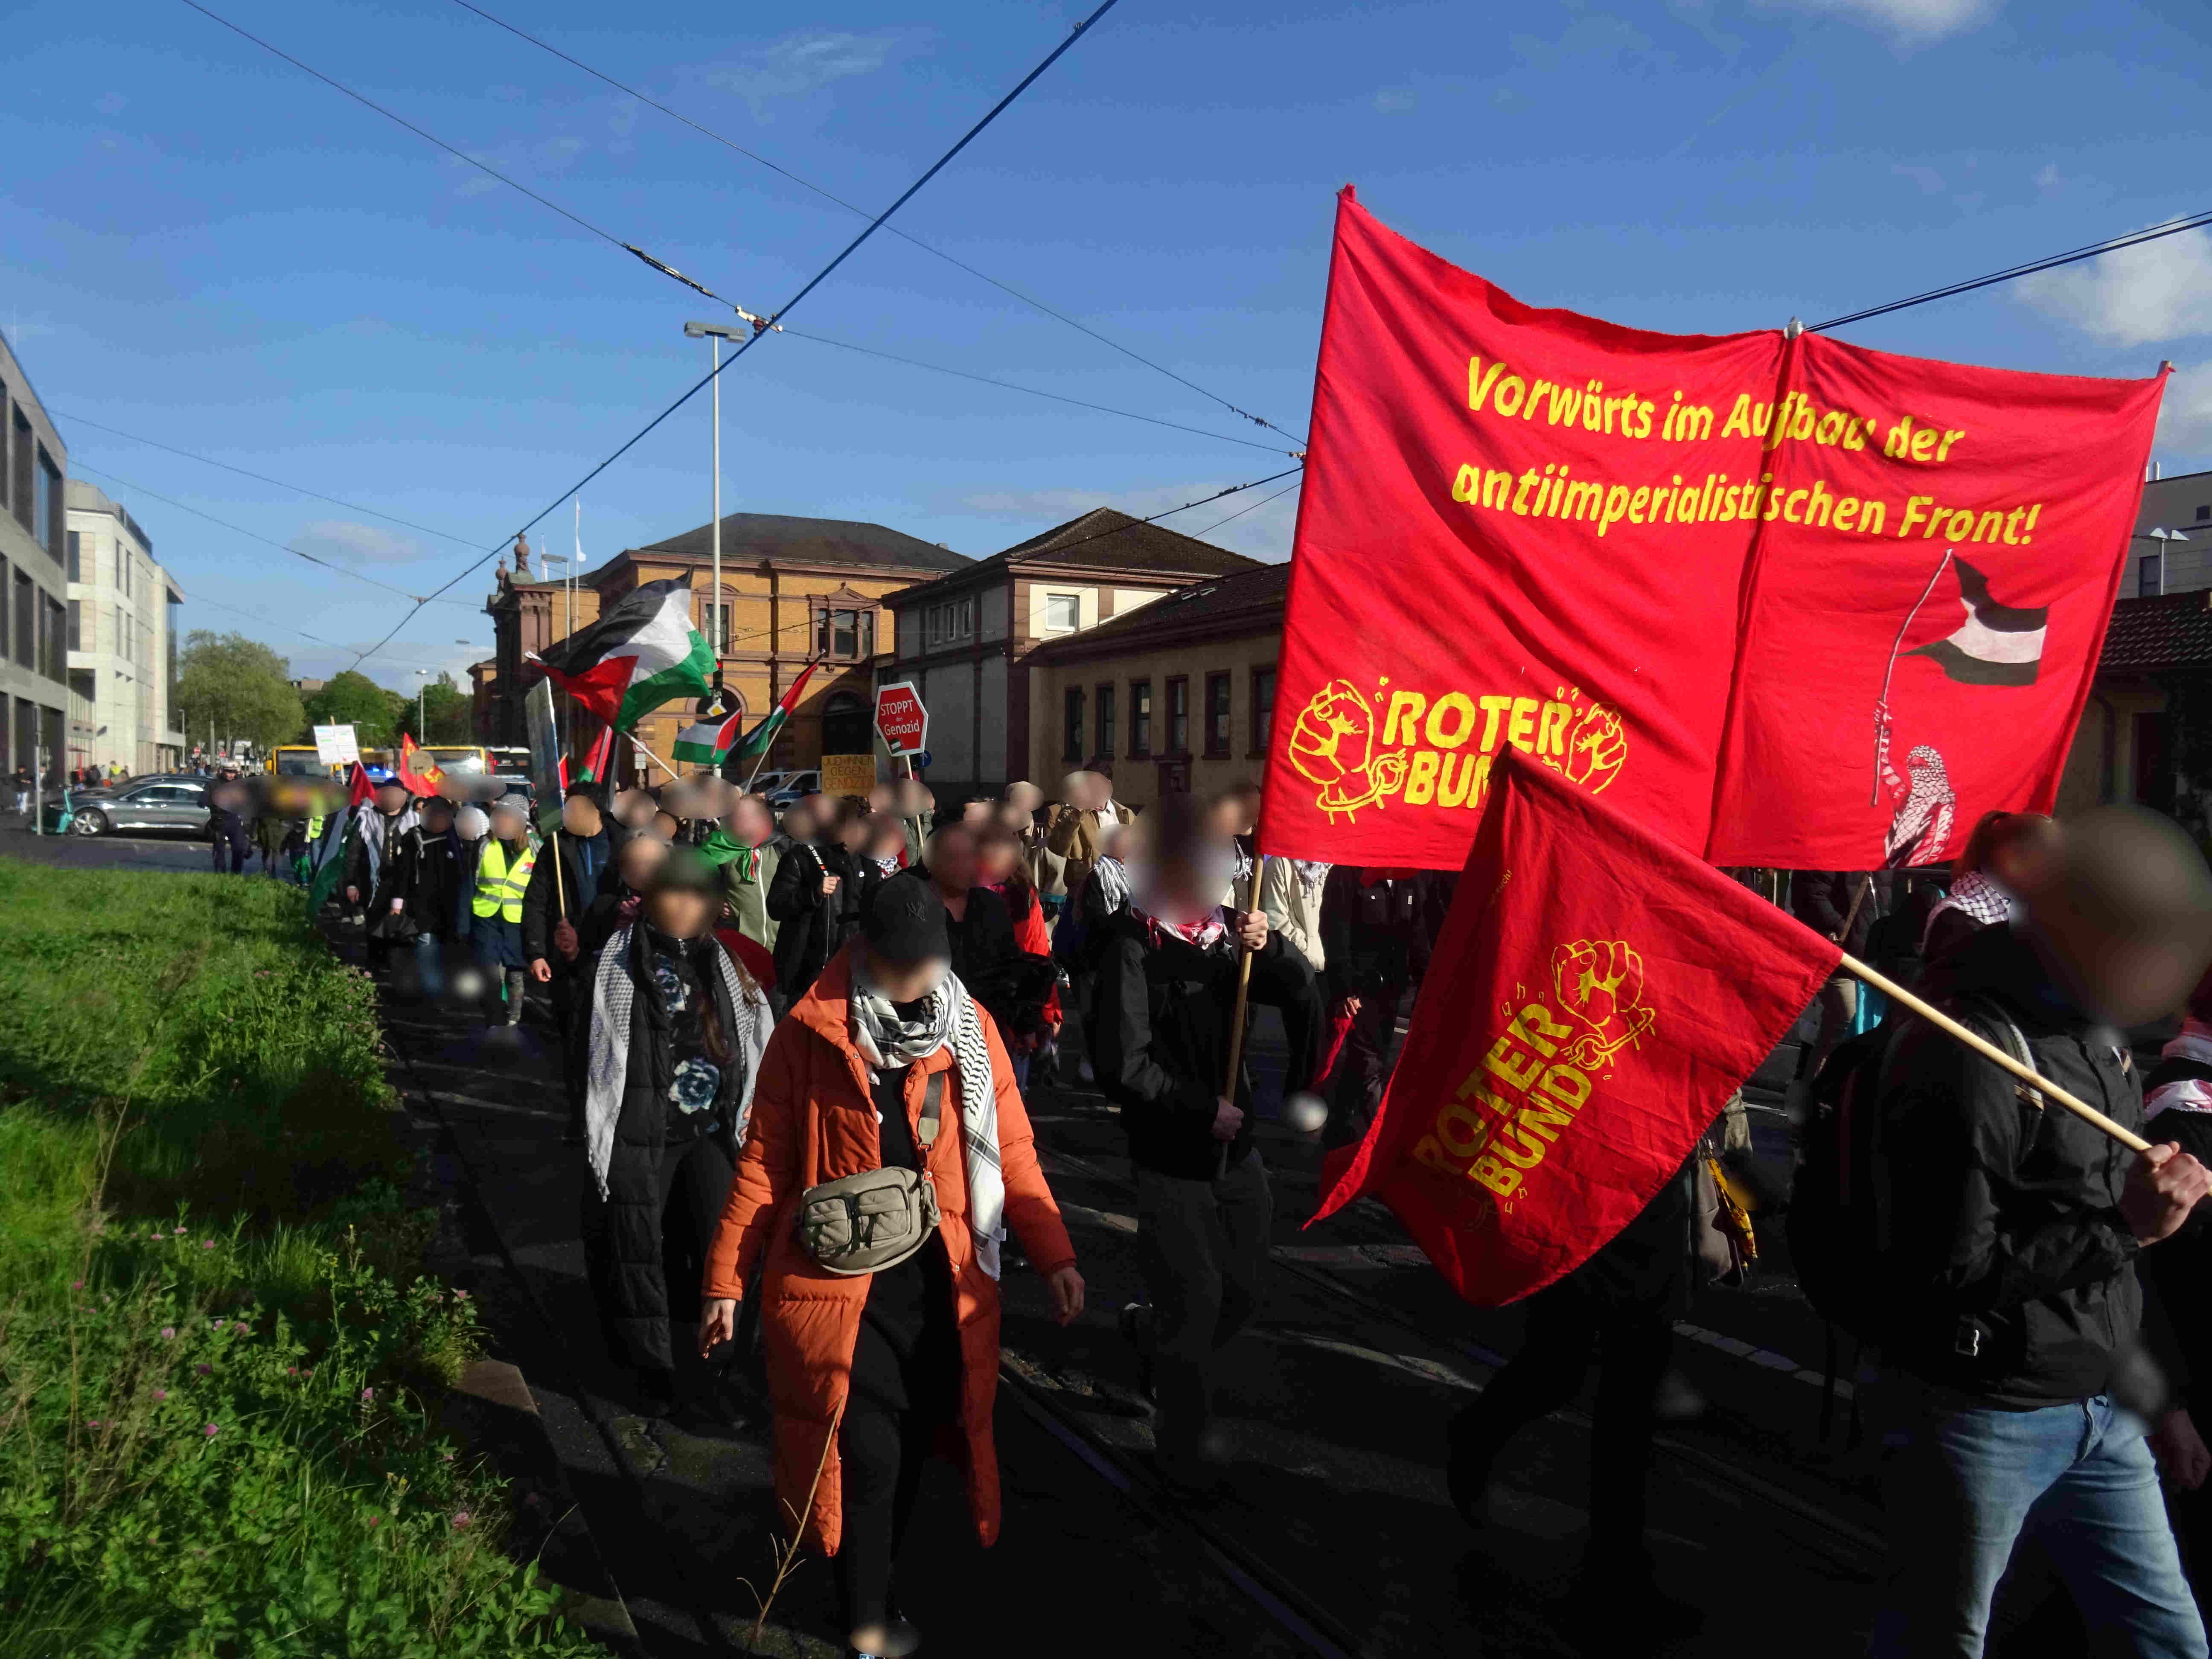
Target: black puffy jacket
{"type": "Point", "coordinates": [2014, 1270]}
{"type": "Point", "coordinates": [1159, 1037]}
{"type": "Point", "coordinates": [810, 925]}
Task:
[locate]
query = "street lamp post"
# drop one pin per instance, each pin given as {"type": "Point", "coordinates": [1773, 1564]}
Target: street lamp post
{"type": "Point", "coordinates": [422, 680]}
{"type": "Point", "coordinates": [714, 334]}
{"type": "Point", "coordinates": [2161, 535]}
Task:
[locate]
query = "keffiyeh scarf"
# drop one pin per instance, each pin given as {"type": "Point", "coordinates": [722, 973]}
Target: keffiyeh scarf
{"type": "Point", "coordinates": [2189, 1094]}
{"type": "Point", "coordinates": [1113, 878]}
{"type": "Point", "coordinates": [947, 1019]}
{"type": "Point", "coordinates": [614, 1005]}
{"type": "Point", "coordinates": [1985, 900]}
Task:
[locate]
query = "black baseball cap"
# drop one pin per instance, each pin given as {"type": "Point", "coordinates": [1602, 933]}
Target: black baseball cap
{"type": "Point", "coordinates": [905, 923]}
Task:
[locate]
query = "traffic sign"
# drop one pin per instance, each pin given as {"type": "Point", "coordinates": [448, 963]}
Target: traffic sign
{"type": "Point", "coordinates": [900, 720]}
{"type": "Point", "coordinates": [924, 758]}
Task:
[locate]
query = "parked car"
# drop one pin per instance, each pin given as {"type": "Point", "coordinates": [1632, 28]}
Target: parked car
{"type": "Point", "coordinates": [174, 803]}
{"type": "Point", "coordinates": [791, 785]}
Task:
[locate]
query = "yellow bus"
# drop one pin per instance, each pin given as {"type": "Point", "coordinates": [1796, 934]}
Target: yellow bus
{"type": "Point", "coordinates": [299, 759]}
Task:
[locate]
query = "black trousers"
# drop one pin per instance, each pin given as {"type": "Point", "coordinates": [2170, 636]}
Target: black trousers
{"type": "Point", "coordinates": [897, 1404]}
{"type": "Point", "coordinates": [1570, 1328]}
{"type": "Point", "coordinates": [1355, 1087]}
{"type": "Point", "coordinates": [1290, 985]}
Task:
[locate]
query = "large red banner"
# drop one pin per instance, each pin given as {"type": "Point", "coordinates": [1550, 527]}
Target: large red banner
{"type": "Point", "coordinates": [1595, 998]}
{"type": "Point", "coordinates": [1773, 597]}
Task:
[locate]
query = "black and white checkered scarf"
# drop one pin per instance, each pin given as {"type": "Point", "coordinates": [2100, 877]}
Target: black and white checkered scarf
{"type": "Point", "coordinates": [947, 1019]}
{"type": "Point", "coordinates": [614, 1001]}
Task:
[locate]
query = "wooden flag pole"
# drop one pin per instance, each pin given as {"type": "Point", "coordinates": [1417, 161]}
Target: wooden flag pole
{"type": "Point", "coordinates": [1996, 1056]}
{"type": "Point", "coordinates": [1236, 1019]}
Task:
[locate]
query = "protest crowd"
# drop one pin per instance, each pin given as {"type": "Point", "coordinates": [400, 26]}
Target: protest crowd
{"type": "Point", "coordinates": [796, 1047]}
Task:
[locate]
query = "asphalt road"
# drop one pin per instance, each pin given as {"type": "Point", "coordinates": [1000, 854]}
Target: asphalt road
{"type": "Point", "coordinates": [1336, 1538]}
{"type": "Point", "coordinates": [180, 853]}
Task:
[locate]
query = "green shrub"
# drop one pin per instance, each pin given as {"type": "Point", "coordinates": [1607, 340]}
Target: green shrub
{"type": "Point", "coordinates": [219, 1439]}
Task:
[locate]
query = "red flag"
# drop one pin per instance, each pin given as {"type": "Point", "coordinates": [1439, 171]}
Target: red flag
{"type": "Point", "coordinates": [358, 787]}
{"type": "Point", "coordinates": [416, 777]}
{"type": "Point", "coordinates": [1684, 571]}
{"type": "Point", "coordinates": [602, 751]}
{"type": "Point", "coordinates": [1595, 998]}
{"type": "Point", "coordinates": [1893, 687]}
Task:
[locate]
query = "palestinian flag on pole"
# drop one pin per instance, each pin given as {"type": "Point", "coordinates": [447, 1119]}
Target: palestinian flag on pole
{"type": "Point", "coordinates": [640, 654]}
{"type": "Point", "coordinates": [1998, 644]}
{"type": "Point", "coordinates": [327, 859]}
{"type": "Point", "coordinates": [709, 742]}
{"type": "Point", "coordinates": [755, 742]}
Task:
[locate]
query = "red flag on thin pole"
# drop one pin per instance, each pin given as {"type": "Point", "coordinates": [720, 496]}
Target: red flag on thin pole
{"type": "Point", "coordinates": [416, 775]}
{"type": "Point", "coordinates": [358, 787]}
{"type": "Point", "coordinates": [1597, 995]}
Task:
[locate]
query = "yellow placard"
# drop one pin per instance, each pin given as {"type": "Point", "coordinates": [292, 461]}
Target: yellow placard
{"type": "Point", "coordinates": [849, 775]}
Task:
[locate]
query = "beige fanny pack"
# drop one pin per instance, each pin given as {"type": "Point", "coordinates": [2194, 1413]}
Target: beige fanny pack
{"type": "Point", "coordinates": [861, 1224]}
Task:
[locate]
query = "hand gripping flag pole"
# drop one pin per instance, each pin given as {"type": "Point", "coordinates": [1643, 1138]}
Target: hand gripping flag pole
{"type": "Point", "coordinates": [1236, 1019]}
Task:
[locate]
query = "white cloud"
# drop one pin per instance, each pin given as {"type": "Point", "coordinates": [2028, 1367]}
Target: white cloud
{"type": "Point", "coordinates": [1910, 22]}
{"type": "Point", "coordinates": [1396, 101]}
{"type": "Point", "coordinates": [2185, 417]}
{"type": "Point", "coordinates": [1929, 180]}
{"type": "Point", "coordinates": [2160, 291]}
{"type": "Point", "coordinates": [2048, 179]}
{"type": "Point", "coordinates": [345, 542]}
{"type": "Point", "coordinates": [800, 63]}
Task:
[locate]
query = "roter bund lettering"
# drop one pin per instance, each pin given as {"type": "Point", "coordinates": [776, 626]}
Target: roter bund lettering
{"type": "Point", "coordinates": [1509, 1113]}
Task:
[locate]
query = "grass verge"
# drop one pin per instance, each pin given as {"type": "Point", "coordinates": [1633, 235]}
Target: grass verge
{"type": "Point", "coordinates": [220, 1362]}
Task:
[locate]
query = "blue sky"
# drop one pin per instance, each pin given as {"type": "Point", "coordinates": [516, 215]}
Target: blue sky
{"type": "Point", "coordinates": [206, 248]}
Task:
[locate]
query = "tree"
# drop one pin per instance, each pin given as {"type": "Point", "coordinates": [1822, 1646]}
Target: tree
{"type": "Point", "coordinates": [242, 685]}
{"type": "Point", "coordinates": [448, 712]}
{"type": "Point", "coordinates": [353, 699]}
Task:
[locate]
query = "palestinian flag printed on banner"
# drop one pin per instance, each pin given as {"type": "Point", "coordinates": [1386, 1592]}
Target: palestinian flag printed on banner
{"type": "Point", "coordinates": [707, 742]}
{"type": "Point", "coordinates": [757, 741]}
{"type": "Point", "coordinates": [641, 655]}
{"type": "Point", "coordinates": [1998, 644]}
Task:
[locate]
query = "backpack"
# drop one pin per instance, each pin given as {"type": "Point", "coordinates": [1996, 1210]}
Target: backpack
{"type": "Point", "coordinates": [1838, 1218]}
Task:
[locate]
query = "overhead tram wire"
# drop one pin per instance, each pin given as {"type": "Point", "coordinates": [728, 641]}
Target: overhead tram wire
{"type": "Point", "coordinates": [761, 330]}
{"type": "Point", "coordinates": [2110, 245]}
{"type": "Point", "coordinates": [236, 530]}
{"type": "Point", "coordinates": [455, 150]}
{"type": "Point", "coordinates": [1242, 511]}
{"type": "Point", "coordinates": [1032, 300]}
{"type": "Point", "coordinates": [263, 477]}
{"type": "Point", "coordinates": [1058, 398]}
{"type": "Point", "coordinates": [759, 322]}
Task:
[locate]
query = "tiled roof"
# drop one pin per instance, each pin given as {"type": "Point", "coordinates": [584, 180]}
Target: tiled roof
{"type": "Point", "coordinates": [753, 537]}
{"type": "Point", "coordinates": [1106, 539]}
{"type": "Point", "coordinates": [2165, 631]}
{"type": "Point", "coordinates": [1255, 596]}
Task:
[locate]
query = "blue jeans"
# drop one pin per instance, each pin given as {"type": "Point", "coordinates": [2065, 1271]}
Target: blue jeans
{"type": "Point", "coordinates": [1961, 1485]}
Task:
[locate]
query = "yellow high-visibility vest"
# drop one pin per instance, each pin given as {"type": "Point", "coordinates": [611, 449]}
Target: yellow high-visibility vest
{"type": "Point", "coordinates": [499, 887]}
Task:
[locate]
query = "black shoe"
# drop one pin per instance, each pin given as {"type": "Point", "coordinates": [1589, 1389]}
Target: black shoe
{"type": "Point", "coordinates": [1466, 1472]}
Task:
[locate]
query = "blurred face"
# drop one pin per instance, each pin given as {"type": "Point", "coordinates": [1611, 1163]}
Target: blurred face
{"type": "Point", "coordinates": [952, 860]}
{"type": "Point", "coordinates": [680, 801]}
{"type": "Point", "coordinates": [752, 822]}
{"type": "Point", "coordinates": [680, 912]}
{"type": "Point", "coordinates": [1025, 798]}
{"type": "Point", "coordinates": [634, 808]}
{"type": "Point", "coordinates": [506, 823]}
{"type": "Point", "coordinates": [882, 798]}
{"type": "Point", "coordinates": [799, 823]}
{"type": "Point", "coordinates": [1180, 869]}
{"type": "Point", "coordinates": [641, 856]}
{"type": "Point", "coordinates": [2122, 919]}
{"type": "Point", "coordinates": [667, 826]}
{"type": "Point", "coordinates": [579, 815]}
{"type": "Point", "coordinates": [915, 798]}
{"type": "Point", "coordinates": [437, 817]}
{"type": "Point", "coordinates": [997, 859]}
{"type": "Point", "coordinates": [391, 798]}
{"type": "Point", "coordinates": [975, 814]}
{"type": "Point", "coordinates": [1015, 820]}
{"type": "Point", "coordinates": [906, 982]}
{"type": "Point", "coordinates": [853, 834]}
{"type": "Point", "coordinates": [1237, 812]}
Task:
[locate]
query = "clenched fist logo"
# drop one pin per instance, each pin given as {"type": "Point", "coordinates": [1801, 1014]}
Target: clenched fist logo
{"type": "Point", "coordinates": [1596, 745]}
{"type": "Point", "coordinates": [1599, 984]}
{"type": "Point", "coordinates": [1333, 745]}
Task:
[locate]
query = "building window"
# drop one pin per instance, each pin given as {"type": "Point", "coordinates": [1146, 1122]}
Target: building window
{"type": "Point", "coordinates": [1140, 718]}
{"type": "Point", "coordinates": [47, 517]}
{"type": "Point", "coordinates": [75, 625]}
{"type": "Point", "coordinates": [1105, 745]}
{"type": "Point", "coordinates": [948, 623]}
{"type": "Point", "coordinates": [1063, 612]}
{"type": "Point", "coordinates": [1179, 716]}
{"type": "Point", "coordinates": [1263, 708]}
{"type": "Point", "coordinates": [844, 636]}
{"type": "Point", "coordinates": [27, 621]}
{"type": "Point", "coordinates": [75, 568]}
{"type": "Point", "coordinates": [1071, 747]}
{"type": "Point", "coordinates": [2150, 575]}
{"type": "Point", "coordinates": [22, 474]}
{"type": "Point", "coordinates": [847, 725]}
{"type": "Point", "coordinates": [53, 639]}
{"type": "Point", "coordinates": [2203, 513]}
{"type": "Point", "coordinates": [1217, 714]}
